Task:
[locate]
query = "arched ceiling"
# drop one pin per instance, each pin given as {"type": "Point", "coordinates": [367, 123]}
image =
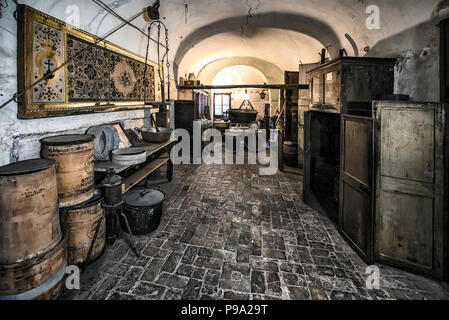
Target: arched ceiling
{"type": "Point", "coordinates": [271, 72]}
{"type": "Point", "coordinates": [283, 48]}
{"type": "Point", "coordinates": [291, 29]}
{"type": "Point", "coordinates": [238, 74]}
{"type": "Point", "coordinates": [274, 38]}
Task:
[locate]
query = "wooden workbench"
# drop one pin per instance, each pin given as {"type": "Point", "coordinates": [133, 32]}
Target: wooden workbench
{"type": "Point", "coordinates": [157, 156]}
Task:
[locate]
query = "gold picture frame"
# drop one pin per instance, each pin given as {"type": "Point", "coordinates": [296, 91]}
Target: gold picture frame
{"type": "Point", "coordinates": [43, 43]}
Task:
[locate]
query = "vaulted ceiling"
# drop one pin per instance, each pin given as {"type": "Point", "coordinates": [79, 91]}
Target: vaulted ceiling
{"type": "Point", "coordinates": [280, 33]}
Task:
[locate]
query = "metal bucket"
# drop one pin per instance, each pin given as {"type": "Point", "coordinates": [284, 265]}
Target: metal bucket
{"type": "Point", "coordinates": [143, 208]}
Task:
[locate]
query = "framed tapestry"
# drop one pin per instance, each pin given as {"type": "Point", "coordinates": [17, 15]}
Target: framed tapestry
{"type": "Point", "coordinates": [97, 76]}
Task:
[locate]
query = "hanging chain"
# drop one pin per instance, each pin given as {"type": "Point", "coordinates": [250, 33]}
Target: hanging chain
{"type": "Point", "coordinates": [146, 82]}
{"type": "Point", "coordinates": [168, 64]}
{"type": "Point", "coordinates": [160, 62]}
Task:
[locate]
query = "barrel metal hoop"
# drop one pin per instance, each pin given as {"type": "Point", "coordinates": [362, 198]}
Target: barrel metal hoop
{"type": "Point", "coordinates": [36, 292]}
{"type": "Point", "coordinates": [41, 252]}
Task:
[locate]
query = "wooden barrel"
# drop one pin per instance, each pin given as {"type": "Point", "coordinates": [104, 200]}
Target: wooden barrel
{"type": "Point", "coordinates": [291, 154]}
{"type": "Point", "coordinates": [39, 278]}
{"type": "Point", "coordinates": [29, 213]}
{"type": "Point", "coordinates": [74, 156]}
{"type": "Point", "coordinates": [80, 223]}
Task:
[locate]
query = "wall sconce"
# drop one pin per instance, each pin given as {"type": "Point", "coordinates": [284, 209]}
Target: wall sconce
{"type": "Point", "coordinates": [263, 95]}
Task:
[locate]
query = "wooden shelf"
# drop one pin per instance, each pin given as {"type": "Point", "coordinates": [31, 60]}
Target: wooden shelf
{"type": "Point", "coordinates": [134, 179]}
{"type": "Point", "coordinates": [104, 166]}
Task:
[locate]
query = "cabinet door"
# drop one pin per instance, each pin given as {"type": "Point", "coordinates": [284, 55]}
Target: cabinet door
{"type": "Point", "coordinates": [410, 180]}
{"type": "Point", "coordinates": [332, 87]}
{"type": "Point", "coordinates": [307, 156]}
{"type": "Point", "coordinates": [356, 218]}
{"type": "Point", "coordinates": [317, 89]}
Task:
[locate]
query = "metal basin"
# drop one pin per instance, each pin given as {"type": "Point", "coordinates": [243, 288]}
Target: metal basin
{"type": "Point", "coordinates": [242, 115]}
{"type": "Point", "coordinates": [152, 136]}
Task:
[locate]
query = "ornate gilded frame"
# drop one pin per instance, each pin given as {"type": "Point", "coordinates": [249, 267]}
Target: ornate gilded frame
{"type": "Point", "coordinates": [27, 108]}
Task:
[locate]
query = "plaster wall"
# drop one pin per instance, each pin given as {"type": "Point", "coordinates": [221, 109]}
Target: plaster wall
{"type": "Point", "coordinates": [19, 139]}
{"type": "Point", "coordinates": [408, 31]}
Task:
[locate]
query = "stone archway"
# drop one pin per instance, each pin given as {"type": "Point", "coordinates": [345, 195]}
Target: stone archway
{"type": "Point", "coordinates": [271, 72]}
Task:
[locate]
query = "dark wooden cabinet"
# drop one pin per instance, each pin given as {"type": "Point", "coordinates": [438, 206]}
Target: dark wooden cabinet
{"type": "Point", "coordinates": [392, 197]}
{"type": "Point", "coordinates": [350, 84]}
{"type": "Point", "coordinates": [343, 86]}
{"type": "Point", "coordinates": [200, 99]}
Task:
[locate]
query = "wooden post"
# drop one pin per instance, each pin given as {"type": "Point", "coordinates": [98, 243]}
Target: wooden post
{"type": "Point", "coordinates": [281, 150]}
{"type": "Point", "coordinates": [170, 166]}
{"type": "Point", "coordinates": [285, 116]}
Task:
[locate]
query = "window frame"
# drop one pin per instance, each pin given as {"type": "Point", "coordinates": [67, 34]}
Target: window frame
{"type": "Point", "coordinates": [229, 94]}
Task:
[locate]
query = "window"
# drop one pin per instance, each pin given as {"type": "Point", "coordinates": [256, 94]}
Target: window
{"type": "Point", "coordinates": [222, 103]}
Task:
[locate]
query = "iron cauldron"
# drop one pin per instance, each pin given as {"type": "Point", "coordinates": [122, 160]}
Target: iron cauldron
{"type": "Point", "coordinates": [243, 116]}
{"type": "Point", "coordinates": [143, 208]}
{"type": "Point", "coordinates": [154, 136]}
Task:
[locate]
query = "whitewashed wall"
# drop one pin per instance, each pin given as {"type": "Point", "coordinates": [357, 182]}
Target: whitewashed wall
{"type": "Point", "coordinates": [408, 31]}
{"type": "Point", "coordinates": [19, 139]}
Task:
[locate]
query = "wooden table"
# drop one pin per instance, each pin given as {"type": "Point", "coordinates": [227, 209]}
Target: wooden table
{"type": "Point", "coordinates": [157, 156]}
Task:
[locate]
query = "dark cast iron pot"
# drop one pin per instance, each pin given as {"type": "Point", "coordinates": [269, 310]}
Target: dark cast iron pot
{"type": "Point", "coordinates": [242, 115]}
{"type": "Point", "coordinates": [143, 208]}
{"type": "Point", "coordinates": [155, 136]}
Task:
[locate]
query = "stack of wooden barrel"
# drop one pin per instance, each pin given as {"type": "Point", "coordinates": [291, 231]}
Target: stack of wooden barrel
{"type": "Point", "coordinates": [37, 198]}
{"type": "Point", "coordinates": [82, 215]}
{"type": "Point", "coordinates": [33, 250]}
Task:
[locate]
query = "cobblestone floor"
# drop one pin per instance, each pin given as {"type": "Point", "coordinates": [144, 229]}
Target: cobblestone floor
{"type": "Point", "coordinates": [228, 233]}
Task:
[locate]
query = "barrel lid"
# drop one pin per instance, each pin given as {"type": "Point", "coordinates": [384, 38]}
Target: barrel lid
{"type": "Point", "coordinates": [142, 197]}
{"type": "Point", "coordinates": [93, 201]}
{"type": "Point", "coordinates": [27, 166]}
{"type": "Point", "coordinates": [68, 139]}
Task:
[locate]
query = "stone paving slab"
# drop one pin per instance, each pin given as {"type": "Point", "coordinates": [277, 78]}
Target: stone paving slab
{"type": "Point", "coordinates": [228, 233]}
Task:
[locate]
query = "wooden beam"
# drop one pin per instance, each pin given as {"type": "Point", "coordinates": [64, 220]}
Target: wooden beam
{"type": "Point", "coordinates": [246, 86]}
